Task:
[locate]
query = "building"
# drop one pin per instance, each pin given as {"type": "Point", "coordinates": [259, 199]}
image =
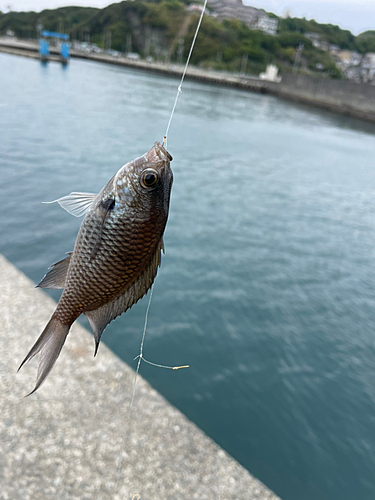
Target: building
{"type": "Point", "coordinates": [252, 17]}
{"type": "Point", "coordinates": [315, 39]}
{"type": "Point", "coordinates": [266, 24]}
{"type": "Point", "coordinates": [271, 74]}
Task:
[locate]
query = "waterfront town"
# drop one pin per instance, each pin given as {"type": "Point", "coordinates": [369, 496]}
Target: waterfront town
{"type": "Point", "coordinates": [161, 32]}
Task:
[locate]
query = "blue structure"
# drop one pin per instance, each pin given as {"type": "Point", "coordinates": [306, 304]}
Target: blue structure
{"type": "Point", "coordinates": [44, 45]}
{"type": "Point", "coordinates": [44, 49]}
{"type": "Point", "coordinates": [52, 34]}
{"type": "Point", "coordinates": [65, 51]}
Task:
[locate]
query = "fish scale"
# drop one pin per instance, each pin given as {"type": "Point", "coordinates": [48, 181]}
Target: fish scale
{"type": "Point", "coordinates": [116, 255]}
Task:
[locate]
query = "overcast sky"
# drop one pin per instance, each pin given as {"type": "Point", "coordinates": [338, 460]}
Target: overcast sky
{"type": "Point", "coordinates": [355, 15]}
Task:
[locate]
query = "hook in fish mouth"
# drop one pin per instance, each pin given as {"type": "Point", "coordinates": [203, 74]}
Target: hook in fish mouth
{"type": "Point", "coordinates": [159, 151]}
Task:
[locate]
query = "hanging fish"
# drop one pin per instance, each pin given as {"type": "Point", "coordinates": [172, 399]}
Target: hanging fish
{"type": "Point", "coordinates": [116, 254]}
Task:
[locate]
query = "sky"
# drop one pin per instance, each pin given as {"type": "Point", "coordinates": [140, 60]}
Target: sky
{"type": "Point", "coordinates": [354, 15]}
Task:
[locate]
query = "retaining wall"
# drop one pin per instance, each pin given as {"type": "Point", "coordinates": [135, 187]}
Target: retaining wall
{"type": "Point", "coordinates": [345, 97]}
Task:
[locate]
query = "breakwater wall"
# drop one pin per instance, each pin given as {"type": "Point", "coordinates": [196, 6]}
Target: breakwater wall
{"type": "Point", "coordinates": [344, 97]}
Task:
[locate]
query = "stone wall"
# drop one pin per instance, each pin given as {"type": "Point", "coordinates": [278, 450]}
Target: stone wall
{"type": "Point", "coordinates": [346, 97]}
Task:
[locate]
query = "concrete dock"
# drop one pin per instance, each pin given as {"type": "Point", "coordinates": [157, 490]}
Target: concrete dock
{"type": "Point", "coordinates": [30, 49]}
{"type": "Point", "coordinates": [76, 438]}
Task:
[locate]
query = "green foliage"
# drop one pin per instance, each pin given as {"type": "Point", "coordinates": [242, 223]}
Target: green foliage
{"type": "Point", "coordinates": [232, 39]}
{"type": "Point", "coordinates": [367, 34]}
{"type": "Point", "coordinates": [24, 23]}
{"type": "Point", "coordinates": [366, 41]}
{"type": "Point", "coordinates": [295, 24]}
{"type": "Point", "coordinates": [290, 39]}
{"type": "Point", "coordinates": [167, 15]}
{"type": "Point", "coordinates": [287, 54]}
{"type": "Point", "coordinates": [315, 58]}
{"type": "Point", "coordinates": [220, 44]}
{"type": "Point", "coordinates": [328, 32]}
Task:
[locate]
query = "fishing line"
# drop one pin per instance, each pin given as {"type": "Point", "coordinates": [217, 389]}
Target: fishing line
{"type": "Point", "coordinates": [140, 356]}
{"type": "Point", "coordinates": [179, 89]}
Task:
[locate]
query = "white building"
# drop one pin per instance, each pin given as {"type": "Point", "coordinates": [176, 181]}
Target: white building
{"type": "Point", "coordinates": [266, 24]}
{"type": "Point", "coordinates": [252, 17]}
{"type": "Point", "coordinates": [271, 74]}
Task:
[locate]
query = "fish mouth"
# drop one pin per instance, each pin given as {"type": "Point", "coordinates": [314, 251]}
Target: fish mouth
{"type": "Point", "coordinates": [157, 153]}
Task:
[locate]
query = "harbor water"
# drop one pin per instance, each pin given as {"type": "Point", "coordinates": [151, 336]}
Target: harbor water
{"type": "Point", "coordinates": [267, 287]}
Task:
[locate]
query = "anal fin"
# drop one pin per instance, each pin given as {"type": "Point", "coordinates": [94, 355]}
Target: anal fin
{"type": "Point", "coordinates": [56, 276]}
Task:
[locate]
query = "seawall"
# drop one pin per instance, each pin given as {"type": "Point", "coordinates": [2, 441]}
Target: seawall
{"type": "Point", "coordinates": [343, 97]}
{"type": "Point", "coordinates": [75, 439]}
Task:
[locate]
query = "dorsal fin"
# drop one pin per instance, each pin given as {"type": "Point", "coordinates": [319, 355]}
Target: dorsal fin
{"type": "Point", "coordinates": [56, 276]}
{"type": "Point", "coordinates": [75, 204]}
{"type": "Point", "coordinates": [99, 318]}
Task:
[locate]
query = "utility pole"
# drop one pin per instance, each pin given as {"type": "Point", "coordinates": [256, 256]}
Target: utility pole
{"type": "Point", "coordinates": [129, 47]}
{"type": "Point", "coordinates": [39, 27]}
{"type": "Point", "coordinates": [244, 64]}
{"type": "Point", "coordinates": [147, 46]}
{"type": "Point", "coordinates": [297, 58]}
{"type": "Point", "coordinates": [180, 50]}
{"type": "Point", "coordinates": [108, 36]}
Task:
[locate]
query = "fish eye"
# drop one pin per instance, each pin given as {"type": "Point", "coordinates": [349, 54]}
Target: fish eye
{"type": "Point", "coordinates": [149, 178]}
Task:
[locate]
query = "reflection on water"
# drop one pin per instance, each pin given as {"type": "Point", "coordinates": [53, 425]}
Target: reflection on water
{"type": "Point", "coordinates": [267, 286]}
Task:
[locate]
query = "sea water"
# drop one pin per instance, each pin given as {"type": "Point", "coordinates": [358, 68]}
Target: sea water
{"type": "Point", "coordinates": [267, 287]}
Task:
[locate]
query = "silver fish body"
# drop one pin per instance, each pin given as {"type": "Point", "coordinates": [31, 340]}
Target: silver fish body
{"type": "Point", "coordinates": [116, 254]}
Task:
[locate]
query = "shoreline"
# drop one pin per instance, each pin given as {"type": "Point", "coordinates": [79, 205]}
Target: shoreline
{"type": "Point", "coordinates": [341, 97]}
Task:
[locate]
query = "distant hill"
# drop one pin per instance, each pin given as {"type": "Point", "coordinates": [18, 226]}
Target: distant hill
{"type": "Point", "coordinates": [366, 41]}
{"type": "Point", "coordinates": [163, 29]}
{"type": "Point", "coordinates": [331, 33]}
{"type": "Point", "coordinates": [24, 23]}
{"type": "Point", "coordinates": [365, 34]}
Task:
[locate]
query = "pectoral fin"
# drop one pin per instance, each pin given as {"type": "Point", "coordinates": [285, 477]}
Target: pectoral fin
{"type": "Point", "coordinates": [99, 318]}
{"type": "Point", "coordinates": [75, 204]}
{"type": "Point", "coordinates": [56, 276]}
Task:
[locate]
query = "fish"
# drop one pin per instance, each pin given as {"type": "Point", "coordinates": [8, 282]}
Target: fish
{"type": "Point", "coordinates": [116, 255]}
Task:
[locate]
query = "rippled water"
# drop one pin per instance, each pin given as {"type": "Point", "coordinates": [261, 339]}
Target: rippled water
{"type": "Point", "coordinates": [267, 286]}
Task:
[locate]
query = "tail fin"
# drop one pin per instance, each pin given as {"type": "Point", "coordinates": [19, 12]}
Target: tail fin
{"type": "Point", "coordinates": [49, 344]}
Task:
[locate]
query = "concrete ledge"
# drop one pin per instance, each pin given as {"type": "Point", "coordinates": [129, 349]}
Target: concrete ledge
{"type": "Point", "coordinates": [74, 439]}
{"type": "Point", "coordinates": [30, 49]}
{"type": "Point", "coordinates": [26, 53]}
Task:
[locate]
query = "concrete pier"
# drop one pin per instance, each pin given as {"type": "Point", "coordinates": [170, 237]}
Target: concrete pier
{"type": "Point", "coordinates": [76, 439]}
